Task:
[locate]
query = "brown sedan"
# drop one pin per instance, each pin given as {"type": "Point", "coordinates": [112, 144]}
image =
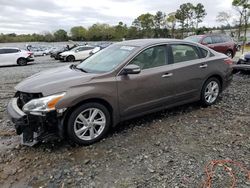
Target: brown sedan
{"type": "Point", "coordinates": [127, 79]}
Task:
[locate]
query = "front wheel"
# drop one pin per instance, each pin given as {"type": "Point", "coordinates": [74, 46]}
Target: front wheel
{"type": "Point", "coordinates": [210, 92]}
{"type": "Point", "coordinates": [70, 58]}
{"type": "Point", "coordinates": [88, 123]}
{"type": "Point", "coordinates": [22, 62]}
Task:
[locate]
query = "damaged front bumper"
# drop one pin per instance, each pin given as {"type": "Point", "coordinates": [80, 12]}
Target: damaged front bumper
{"type": "Point", "coordinates": [34, 128]}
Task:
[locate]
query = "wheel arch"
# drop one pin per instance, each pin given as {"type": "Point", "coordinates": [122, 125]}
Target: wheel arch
{"type": "Point", "coordinates": [218, 76]}
{"type": "Point", "coordinates": [91, 100]}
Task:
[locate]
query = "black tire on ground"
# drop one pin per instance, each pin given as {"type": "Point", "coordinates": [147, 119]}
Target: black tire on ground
{"type": "Point", "coordinates": [22, 61]}
{"type": "Point", "coordinates": [229, 53]}
{"type": "Point", "coordinates": [203, 100]}
{"type": "Point", "coordinates": [73, 116]}
{"type": "Point", "coordinates": [70, 58]}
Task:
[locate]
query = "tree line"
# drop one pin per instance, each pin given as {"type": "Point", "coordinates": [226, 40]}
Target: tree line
{"type": "Point", "coordinates": [184, 21]}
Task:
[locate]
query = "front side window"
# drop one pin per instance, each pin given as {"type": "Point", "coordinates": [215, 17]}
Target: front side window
{"type": "Point", "coordinates": [107, 59]}
{"type": "Point", "coordinates": [217, 39]}
{"type": "Point", "coordinates": [183, 52]}
{"type": "Point", "coordinates": [151, 57]}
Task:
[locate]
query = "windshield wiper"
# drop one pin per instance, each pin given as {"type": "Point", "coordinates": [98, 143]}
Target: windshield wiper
{"type": "Point", "coordinates": [73, 66]}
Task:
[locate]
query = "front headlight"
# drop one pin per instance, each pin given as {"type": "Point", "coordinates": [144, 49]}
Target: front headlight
{"type": "Point", "coordinates": [42, 105]}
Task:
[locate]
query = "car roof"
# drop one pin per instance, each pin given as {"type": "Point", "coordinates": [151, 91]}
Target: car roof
{"type": "Point", "coordinates": [147, 42]}
{"type": "Point", "coordinates": [9, 48]}
{"type": "Point", "coordinates": [209, 34]}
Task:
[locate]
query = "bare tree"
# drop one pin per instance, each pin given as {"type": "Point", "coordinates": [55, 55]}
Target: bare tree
{"type": "Point", "coordinates": [224, 18]}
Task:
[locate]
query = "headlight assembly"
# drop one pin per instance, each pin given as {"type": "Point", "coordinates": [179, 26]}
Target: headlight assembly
{"type": "Point", "coordinates": [42, 105]}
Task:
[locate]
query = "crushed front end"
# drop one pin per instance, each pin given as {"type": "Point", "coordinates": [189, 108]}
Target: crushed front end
{"type": "Point", "coordinates": [33, 126]}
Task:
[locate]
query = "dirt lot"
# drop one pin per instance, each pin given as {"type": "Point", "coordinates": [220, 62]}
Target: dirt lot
{"type": "Point", "coordinates": [166, 149]}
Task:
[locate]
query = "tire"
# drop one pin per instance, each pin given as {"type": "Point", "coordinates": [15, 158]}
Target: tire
{"type": "Point", "coordinates": [206, 100]}
{"type": "Point", "coordinates": [44, 54]}
{"type": "Point", "coordinates": [81, 128]}
{"type": "Point", "coordinates": [22, 61]}
{"type": "Point", "coordinates": [229, 53]}
{"type": "Point", "coordinates": [70, 58]}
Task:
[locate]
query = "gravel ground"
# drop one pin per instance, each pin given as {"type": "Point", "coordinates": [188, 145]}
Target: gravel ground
{"type": "Point", "coordinates": [166, 149]}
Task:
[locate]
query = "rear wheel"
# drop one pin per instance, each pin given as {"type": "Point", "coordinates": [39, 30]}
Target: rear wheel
{"type": "Point", "coordinates": [22, 61]}
{"type": "Point", "coordinates": [229, 53]}
{"type": "Point", "coordinates": [210, 91]}
{"type": "Point", "coordinates": [88, 123]}
{"type": "Point", "coordinates": [70, 58]}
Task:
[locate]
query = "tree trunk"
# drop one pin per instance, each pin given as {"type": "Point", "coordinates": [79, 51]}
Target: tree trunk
{"type": "Point", "coordinates": [240, 27]}
{"type": "Point", "coordinates": [245, 30]}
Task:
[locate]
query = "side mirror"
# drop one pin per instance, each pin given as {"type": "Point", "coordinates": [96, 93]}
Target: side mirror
{"type": "Point", "coordinates": [77, 51]}
{"type": "Point", "coordinates": [131, 69]}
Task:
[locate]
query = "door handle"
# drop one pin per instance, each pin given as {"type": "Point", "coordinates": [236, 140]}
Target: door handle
{"type": "Point", "coordinates": [167, 75]}
{"type": "Point", "coordinates": [203, 66]}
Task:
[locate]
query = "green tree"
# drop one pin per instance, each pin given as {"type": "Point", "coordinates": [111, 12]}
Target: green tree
{"type": "Point", "coordinates": [171, 20]}
{"type": "Point", "coordinates": [185, 16]}
{"type": "Point", "coordinates": [160, 24]}
{"type": "Point", "coordinates": [101, 32]}
{"type": "Point", "coordinates": [144, 24]}
{"type": "Point", "coordinates": [61, 35]}
{"type": "Point", "coordinates": [121, 31]}
{"type": "Point", "coordinates": [199, 14]}
{"type": "Point", "coordinates": [78, 33]}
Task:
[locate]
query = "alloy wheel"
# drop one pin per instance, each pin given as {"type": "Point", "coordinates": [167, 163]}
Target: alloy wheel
{"type": "Point", "coordinates": [212, 92]}
{"type": "Point", "coordinates": [89, 124]}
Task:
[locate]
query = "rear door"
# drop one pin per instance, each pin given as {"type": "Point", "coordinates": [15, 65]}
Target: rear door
{"type": "Point", "coordinates": [219, 44]}
{"type": "Point", "coordinates": [190, 70]}
{"type": "Point", "coordinates": [152, 88]}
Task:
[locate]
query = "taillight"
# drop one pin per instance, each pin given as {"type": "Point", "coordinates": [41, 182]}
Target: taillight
{"type": "Point", "coordinates": [30, 53]}
{"type": "Point", "coordinates": [228, 61]}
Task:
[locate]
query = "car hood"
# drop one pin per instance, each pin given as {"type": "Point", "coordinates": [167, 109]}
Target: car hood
{"type": "Point", "coordinates": [54, 81]}
{"type": "Point", "coordinates": [67, 53]}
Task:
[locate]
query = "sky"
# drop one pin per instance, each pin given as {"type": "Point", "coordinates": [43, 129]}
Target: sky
{"type": "Point", "coordinates": [40, 16]}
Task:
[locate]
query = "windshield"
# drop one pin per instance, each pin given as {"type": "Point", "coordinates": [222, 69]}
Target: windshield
{"type": "Point", "coordinates": [107, 59]}
{"type": "Point", "coordinates": [194, 38]}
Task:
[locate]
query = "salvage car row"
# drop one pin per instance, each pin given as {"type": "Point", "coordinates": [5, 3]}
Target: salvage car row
{"type": "Point", "coordinates": [17, 56]}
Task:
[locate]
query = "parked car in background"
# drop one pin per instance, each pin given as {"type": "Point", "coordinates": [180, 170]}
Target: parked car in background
{"type": "Point", "coordinates": [95, 50]}
{"type": "Point", "coordinates": [244, 59]}
{"type": "Point", "coordinates": [77, 53]}
{"type": "Point", "coordinates": [56, 53]}
{"type": "Point", "coordinates": [220, 43]}
{"type": "Point", "coordinates": [13, 56]}
{"type": "Point", "coordinates": [125, 80]}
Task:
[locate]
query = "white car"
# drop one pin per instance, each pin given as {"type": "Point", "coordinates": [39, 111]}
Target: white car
{"type": "Point", "coordinates": [13, 56]}
{"type": "Point", "coordinates": [77, 53]}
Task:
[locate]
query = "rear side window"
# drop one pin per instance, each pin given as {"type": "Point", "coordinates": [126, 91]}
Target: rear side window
{"type": "Point", "coordinates": [207, 40]}
{"type": "Point", "coordinates": [7, 51]}
{"type": "Point", "coordinates": [203, 52]}
{"type": "Point", "coordinates": [183, 52]}
{"type": "Point", "coordinates": [226, 39]}
{"type": "Point", "coordinates": [217, 39]}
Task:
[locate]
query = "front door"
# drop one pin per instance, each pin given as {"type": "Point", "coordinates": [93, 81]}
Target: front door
{"type": "Point", "coordinates": [152, 88]}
